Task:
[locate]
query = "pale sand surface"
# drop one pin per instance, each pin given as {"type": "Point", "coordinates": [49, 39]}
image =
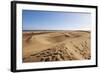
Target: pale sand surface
{"type": "Point", "coordinates": [56, 46]}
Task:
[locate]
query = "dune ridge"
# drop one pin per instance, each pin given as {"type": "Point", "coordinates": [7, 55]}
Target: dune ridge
{"type": "Point", "coordinates": [56, 46]}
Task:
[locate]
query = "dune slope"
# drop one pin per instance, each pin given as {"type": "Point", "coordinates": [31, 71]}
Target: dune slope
{"type": "Point", "coordinates": [56, 46]}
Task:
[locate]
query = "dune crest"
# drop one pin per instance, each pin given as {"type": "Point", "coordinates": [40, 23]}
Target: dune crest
{"type": "Point", "coordinates": [56, 46]}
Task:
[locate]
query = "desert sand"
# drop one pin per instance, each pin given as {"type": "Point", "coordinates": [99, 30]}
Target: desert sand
{"type": "Point", "coordinates": [56, 46]}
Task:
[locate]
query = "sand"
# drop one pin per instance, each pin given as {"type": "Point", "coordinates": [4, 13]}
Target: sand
{"type": "Point", "coordinates": [56, 46]}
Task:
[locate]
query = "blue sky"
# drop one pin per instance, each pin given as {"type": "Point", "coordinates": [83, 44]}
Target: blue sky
{"type": "Point", "coordinates": [50, 20]}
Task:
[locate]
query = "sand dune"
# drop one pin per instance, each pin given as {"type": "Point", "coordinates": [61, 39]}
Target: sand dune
{"type": "Point", "coordinates": [56, 46]}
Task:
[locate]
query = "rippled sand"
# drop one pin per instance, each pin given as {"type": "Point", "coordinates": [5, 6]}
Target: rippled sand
{"type": "Point", "coordinates": [56, 46]}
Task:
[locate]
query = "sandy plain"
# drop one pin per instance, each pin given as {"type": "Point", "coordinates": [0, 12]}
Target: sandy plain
{"type": "Point", "coordinates": [56, 46]}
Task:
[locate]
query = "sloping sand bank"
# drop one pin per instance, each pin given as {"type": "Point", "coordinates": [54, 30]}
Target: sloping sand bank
{"type": "Point", "coordinates": [56, 46]}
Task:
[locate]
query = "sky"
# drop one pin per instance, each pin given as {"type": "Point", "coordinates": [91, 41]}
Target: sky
{"type": "Point", "coordinates": [52, 20]}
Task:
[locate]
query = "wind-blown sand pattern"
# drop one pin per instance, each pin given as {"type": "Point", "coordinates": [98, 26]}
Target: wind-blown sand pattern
{"type": "Point", "coordinates": [56, 46]}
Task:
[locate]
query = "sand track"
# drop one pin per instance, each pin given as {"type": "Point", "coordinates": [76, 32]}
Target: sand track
{"type": "Point", "coordinates": [56, 46]}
